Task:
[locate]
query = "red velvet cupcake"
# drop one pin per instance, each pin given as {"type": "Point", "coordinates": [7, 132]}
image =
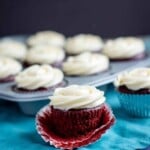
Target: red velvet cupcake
{"type": "Point", "coordinates": [85, 64]}
{"type": "Point", "coordinates": [8, 69]}
{"type": "Point", "coordinates": [83, 43]}
{"type": "Point", "coordinates": [45, 54]}
{"type": "Point", "coordinates": [39, 77]}
{"type": "Point", "coordinates": [125, 49]}
{"type": "Point", "coordinates": [133, 90]}
{"type": "Point", "coordinates": [76, 116]}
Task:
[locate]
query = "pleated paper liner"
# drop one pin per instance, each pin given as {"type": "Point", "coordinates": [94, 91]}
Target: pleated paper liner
{"type": "Point", "coordinates": [57, 137]}
{"type": "Point", "coordinates": [137, 105]}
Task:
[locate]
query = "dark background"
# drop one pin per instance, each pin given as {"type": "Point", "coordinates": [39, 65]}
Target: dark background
{"type": "Point", "coordinates": [108, 18]}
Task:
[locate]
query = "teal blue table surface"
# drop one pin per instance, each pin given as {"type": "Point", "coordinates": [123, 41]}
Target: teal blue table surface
{"type": "Point", "coordinates": [17, 131]}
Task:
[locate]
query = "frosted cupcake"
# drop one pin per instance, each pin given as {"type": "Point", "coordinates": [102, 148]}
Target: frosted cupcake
{"type": "Point", "coordinates": [134, 91]}
{"type": "Point", "coordinates": [83, 43]}
{"type": "Point", "coordinates": [85, 64]}
{"type": "Point", "coordinates": [9, 68]}
{"type": "Point", "coordinates": [45, 55]}
{"type": "Point", "coordinates": [46, 38]}
{"type": "Point", "coordinates": [38, 77]}
{"type": "Point", "coordinates": [12, 48]}
{"type": "Point", "coordinates": [124, 48]}
{"type": "Point", "coordinates": [76, 116]}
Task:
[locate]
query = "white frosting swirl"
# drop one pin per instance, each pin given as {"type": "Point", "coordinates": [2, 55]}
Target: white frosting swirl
{"type": "Point", "coordinates": [134, 80]}
{"type": "Point", "coordinates": [9, 67]}
{"type": "Point", "coordinates": [47, 38]}
{"type": "Point", "coordinates": [85, 64]}
{"type": "Point", "coordinates": [13, 49]}
{"type": "Point", "coordinates": [77, 97]}
{"type": "Point", "coordinates": [38, 76]}
{"type": "Point", "coordinates": [126, 47]}
{"type": "Point", "coordinates": [45, 55]}
{"type": "Point", "coordinates": [83, 43]}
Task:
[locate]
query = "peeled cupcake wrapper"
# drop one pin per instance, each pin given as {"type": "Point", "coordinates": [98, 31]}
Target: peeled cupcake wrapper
{"type": "Point", "coordinates": [43, 128]}
{"type": "Point", "coordinates": [135, 104]}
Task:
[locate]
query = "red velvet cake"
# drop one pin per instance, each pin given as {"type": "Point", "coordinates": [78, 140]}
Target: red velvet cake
{"type": "Point", "coordinates": [39, 78]}
{"type": "Point", "coordinates": [125, 49]}
{"type": "Point", "coordinates": [9, 68]}
{"type": "Point", "coordinates": [67, 126]}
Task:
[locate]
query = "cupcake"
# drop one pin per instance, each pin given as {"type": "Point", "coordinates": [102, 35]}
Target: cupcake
{"type": "Point", "coordinates": [46, 38]}
{"type": "Point", "coordinates": [83, 43]}
{"type": "Point", "coordinates": [12, 48]}
{"type": "Point", "coordinates": [133, 90]}
{"type": "Point", "coordinates": [124, 48]}
{"type": "Point", "coordinates": [45, 54]}
{"type": "Point", "coordinates": [9, 68]}
{"type": "Point", "coordinates": [38, 77]}
{"type": "Point", "coordinates": [85, 64]}
{"type": "Point", "coordinates": [76, 116]}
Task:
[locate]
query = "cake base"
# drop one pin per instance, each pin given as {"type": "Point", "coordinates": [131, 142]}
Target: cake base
{"type": "Point", "coordinates": [55, 65]}
{"type": "Point", "coordinates": [137, 57]}
{"type": "Point", "coordinates": [124, 89]}
{"type": "Point", "coordinates": [98, 51]}
{"type": "Point", "coordinates": [21, 90]}
{"type": "Point", "coordinates": [7, 79]}
{"type": "Point", "coordinates": [89, 75]}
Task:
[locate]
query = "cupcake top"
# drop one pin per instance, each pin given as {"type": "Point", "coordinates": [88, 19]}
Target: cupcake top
{"type": "Point", "coordinates": [134, 80]}
{"type": "Point", "coordinates": [83, 43]}
{"type": "Point", "coordinates": [37, 76]}
{"type": "Point", "coordinates": [45, 55]}
{"type": "Point", "coordinates": [77, 97]}
{"type": "Point", "coordinates": [85, 64]}
{"type": "Point", "coordinates": [123, 47]}
{"type": "Point", "coordinates": [47, 38]}
{"type": "Point", "coordinates": [12, 48]}
{"type": "Point", "coordinates": [9, 67]}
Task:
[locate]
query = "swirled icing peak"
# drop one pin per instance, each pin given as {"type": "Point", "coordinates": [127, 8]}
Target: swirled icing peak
{"type": "Point", "coordinates": [45, 54]}
{"type": "Point", "coordinates": [85, 64]}
{"type": "Point", "coordinates": [123, 47]}
{"type": "Point", "coordinates": [12, 48]}
{"type": "Point", "coordinates": [83, 43]}
{"type": "Point", "coordinates": [37, 76]}
{"type": "Point", "coordinates": [77, 97]}
{"type": "Point", "coordinates": [9, 67]}
{"type": "Point", "coordinates": [47, 38]}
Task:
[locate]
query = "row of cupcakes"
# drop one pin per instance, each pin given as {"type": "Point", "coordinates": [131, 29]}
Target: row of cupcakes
{"type": "Point", "coordinates": [83, 64]}
{"type": "Point", "coordinates": [45, 42]}
{"type": "Point", "coordinates": [119, 48]}
{"type": "Point", "coordinates": [35, 77]}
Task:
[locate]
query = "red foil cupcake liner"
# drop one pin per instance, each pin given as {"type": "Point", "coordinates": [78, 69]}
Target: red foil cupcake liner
{"type": "Point", "coordinates": [44, 121]}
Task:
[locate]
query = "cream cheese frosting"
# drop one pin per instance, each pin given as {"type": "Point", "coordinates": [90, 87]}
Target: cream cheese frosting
{"type": "Point", "coordinates": [45, 55]}
{"type": "Point", "coordinates": [83, 43]}
{"type": "Point", "coordinates": [47, 38]}
{"type": "Point", "coordinates": [123, 47]}
{"type": "Point", "coordinates": [85, 64]}
{"type": "Point", "coordinates": [12, 48]}
{"type": "Point", "coordinates": [77, 97]}
{"type": "Point", "coordinates": [134, 80]}
{"type": "Point", "coordinates": [38, 76]}
{"type": "Point", "coordinates": [9, 67]}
